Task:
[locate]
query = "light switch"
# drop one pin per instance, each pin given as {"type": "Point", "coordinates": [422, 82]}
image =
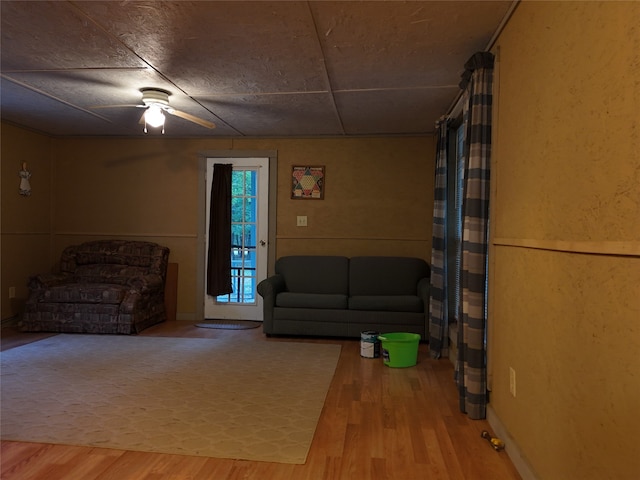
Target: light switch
{"type": "Point", "coordinates": [301, 221]}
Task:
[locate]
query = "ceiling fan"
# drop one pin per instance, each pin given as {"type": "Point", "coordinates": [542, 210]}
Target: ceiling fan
{"type": "Point", "coordinates": [155, 101]}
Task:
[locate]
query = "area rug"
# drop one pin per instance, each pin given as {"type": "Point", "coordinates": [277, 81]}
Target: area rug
{"type": "Point", "coordinates": [227, 324]}
{"type": "Point", "coordinates": [252, 400]}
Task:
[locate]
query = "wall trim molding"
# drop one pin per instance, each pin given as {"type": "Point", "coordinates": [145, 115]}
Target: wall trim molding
{"type": "Point", "coordinates": [630, 248]}
{"type": "Point", "coordinates": [380, 239]}
{"type": "Point", "coordinates": [126, 234]}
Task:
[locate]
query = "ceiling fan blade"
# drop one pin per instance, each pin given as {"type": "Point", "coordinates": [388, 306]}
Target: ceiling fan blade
{"type": "Point", "coordinates": [117, 106]}
{"type": "Point", "coordinates": [191, 118]}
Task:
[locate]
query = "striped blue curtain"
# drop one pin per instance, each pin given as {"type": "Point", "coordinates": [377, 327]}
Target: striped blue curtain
{"type": "Point", "coordinates": [438, 315]}
{"type": "Point", "coordinates": [471, 371]}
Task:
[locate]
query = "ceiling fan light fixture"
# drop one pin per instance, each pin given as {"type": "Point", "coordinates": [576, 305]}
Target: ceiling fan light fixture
{"type": "Point", "coordinates": [154, 116]}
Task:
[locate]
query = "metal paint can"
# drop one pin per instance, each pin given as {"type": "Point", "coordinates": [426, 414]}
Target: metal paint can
{"type": "Point", "coordinates": [369, 344]}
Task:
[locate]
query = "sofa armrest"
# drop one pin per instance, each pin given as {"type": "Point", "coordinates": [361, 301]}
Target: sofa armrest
{"type": "Point", "coordinates": [48, 280]}
{"type": "Point", "coordinates": [424, 292]}
{"type": "Point", "coordinates": [424, 287]}
{"type": "Point", "coordinates": [268, 289]}
{"type": "Point", "coordinates": [271, 286]}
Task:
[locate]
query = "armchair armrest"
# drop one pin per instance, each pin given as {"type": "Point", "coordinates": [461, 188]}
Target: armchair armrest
{"type": "Point", "coordinates": [47, 280]}
{"type": "Point", "coordinates": [146, 283]}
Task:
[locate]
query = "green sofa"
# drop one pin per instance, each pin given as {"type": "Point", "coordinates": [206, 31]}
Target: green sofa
{"type": "Point", "coordinates": [341, 297]}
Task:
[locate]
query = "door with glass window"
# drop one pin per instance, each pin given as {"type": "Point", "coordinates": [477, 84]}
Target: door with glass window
{"type": "Point", "coordinates": [249, 233]}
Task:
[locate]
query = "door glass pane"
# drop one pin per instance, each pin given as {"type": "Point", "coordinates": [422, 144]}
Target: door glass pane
{"type": "Point", "coordinates": [243, 238]}
{"type": "Point", "coordinates": [237, 206]}
{"type": "Point", "coordinates": [250, 210]}
{"type": "Point", "coordinates": [251, 183]}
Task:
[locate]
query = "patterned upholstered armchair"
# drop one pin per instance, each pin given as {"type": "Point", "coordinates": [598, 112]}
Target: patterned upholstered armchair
{"type": "Point", "coordinates": [105, 286]}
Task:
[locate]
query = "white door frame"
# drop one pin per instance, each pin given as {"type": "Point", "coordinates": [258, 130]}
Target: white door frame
{"type": "Point", "coordinates": [244, 311]}
{"type": "Point", "coordinates": [272, 155]}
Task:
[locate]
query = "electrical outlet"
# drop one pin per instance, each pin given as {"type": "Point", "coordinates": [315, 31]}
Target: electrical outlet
{"type": "Point", "coordinates": [12, 292]}
{"type": "Point", "coordinates": [301, 221]}
{"type": "Point", "coordinates": [512, 382]}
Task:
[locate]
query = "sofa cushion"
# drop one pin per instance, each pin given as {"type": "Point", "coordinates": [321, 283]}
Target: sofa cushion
{"type": "Point", "coordinates": [85, 293]}
{"type": "Point", "coordinates": [108, 273]}
{"type": "Point", "coordinates": [315, 274]}
{"type": "Point", "coordinates": [87, 258]}
{"type": "Point", "coordinates": [386, 303]}
{"type": "Point", "coordinates": [119, 252]}
{"type": "Point", "coordinates": [311, 300]}
{"type": "Point", "coordinates": [386, 275]}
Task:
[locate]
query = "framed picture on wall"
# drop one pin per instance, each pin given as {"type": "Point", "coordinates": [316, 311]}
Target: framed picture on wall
{"type": "Point", "coordinates": [307, 183]}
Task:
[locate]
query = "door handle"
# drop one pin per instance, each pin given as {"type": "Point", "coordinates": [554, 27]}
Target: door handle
{"type": "Point", "coordinates": [262, 243]}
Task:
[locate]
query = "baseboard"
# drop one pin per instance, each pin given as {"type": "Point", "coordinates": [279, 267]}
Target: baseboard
{"type": "Point", "coordinates": [511, 448]}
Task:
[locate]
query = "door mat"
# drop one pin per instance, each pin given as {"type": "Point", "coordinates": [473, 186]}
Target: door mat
{"type": "Point", "coordinates": [229, 324]}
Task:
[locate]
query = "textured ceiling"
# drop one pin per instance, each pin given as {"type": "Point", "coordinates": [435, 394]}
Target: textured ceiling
{"type": "Point", "coordinates": [263, 68]}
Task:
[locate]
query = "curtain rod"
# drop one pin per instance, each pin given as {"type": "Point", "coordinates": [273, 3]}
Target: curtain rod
{"type": "Point", "coordinates": [456, 106]}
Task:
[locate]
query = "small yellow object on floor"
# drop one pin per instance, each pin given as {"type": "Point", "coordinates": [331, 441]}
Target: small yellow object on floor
{"type": "Point", "coordinates": [495, 442]}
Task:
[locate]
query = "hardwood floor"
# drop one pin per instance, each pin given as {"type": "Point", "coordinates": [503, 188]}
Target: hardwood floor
{"type": "Point", "coordinates": [377, 423]}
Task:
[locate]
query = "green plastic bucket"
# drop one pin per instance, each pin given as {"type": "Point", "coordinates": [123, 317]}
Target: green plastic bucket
{"type": "Point", "coordinates": [399, 349]}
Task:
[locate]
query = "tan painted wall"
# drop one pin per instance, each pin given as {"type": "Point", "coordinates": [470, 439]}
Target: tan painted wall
{"type": "Point", "coordinates": [378, 200]}
{"type": "Point", "coordinates": [26, 220]}
{"type": "Point", "coordinates": [567, 175]}
{"type": "Point", "coordinates": [142, 189]}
